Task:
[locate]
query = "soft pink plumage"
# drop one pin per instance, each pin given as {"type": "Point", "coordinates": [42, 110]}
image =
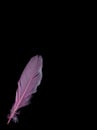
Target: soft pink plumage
{"type": "Point", "coordinates": [27, 85]}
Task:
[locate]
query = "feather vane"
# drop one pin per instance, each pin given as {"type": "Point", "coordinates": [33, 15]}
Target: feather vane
{"type": "Point", "coordinates": [27, 85]}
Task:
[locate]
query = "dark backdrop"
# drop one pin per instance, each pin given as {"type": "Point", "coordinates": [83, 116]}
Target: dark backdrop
{"type": "Point", "coordinates": [58, 99]}
{"type": "Point", "coordinates": [45, 108]}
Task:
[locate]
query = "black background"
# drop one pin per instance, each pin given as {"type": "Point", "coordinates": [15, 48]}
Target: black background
{"type": "Point", "coordinates": [58, 100]}
{"type": "Point", "coordinates": [58, 96]}
{"type": "Point", "coordinates": [46, 105]}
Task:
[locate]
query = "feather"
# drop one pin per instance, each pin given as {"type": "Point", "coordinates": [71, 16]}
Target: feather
{"type": "Point", "coordinates": [27, 85]}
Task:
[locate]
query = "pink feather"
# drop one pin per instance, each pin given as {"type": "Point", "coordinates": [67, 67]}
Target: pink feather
{"type": "Point", "coordinates": [27, 85]}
